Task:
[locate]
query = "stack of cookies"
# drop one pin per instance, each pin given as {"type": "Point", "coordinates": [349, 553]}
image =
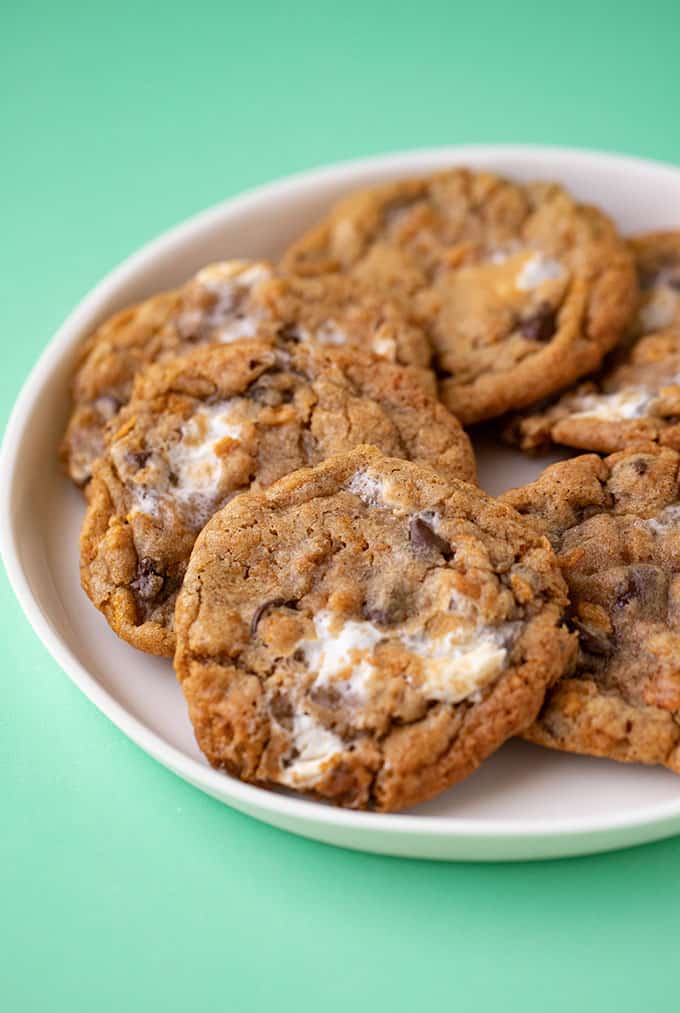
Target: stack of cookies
{"type": "Point", "coordinates": [281, 492]}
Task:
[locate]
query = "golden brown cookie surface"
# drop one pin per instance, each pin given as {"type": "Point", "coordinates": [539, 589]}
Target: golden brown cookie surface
{"type": "Point", "coordinates": [523, 290]}
{"type": "Point", "coordinates": [636, 397]}
{"type": "Point", "coordinates": [366, 631]}
{"type": "Point", "coordinates": [615, 526]}
{"type": "Point", "coordinates": [225, 302]}
{"type": "Point", "coordinates": [203, 427]}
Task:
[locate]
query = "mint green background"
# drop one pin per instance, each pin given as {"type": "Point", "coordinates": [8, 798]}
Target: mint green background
{"type": "Point", "coordinates": [121, 888]}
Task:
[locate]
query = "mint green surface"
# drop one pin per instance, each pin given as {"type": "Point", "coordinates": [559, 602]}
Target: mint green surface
{"type": "Point", "coordinates": [121, 888]}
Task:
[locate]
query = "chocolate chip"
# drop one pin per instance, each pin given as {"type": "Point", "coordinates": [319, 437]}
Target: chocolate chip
{"type": "Point", "coordinates": [149, 582]}
{"type": "Point", "coordinates": [423, 537]}
{"type": "Point", "coordinates": [641, 466]}
{"type": "Point", "coordinates": [261, 609]}
{"type": "Point", "coordinates": [540, 325]}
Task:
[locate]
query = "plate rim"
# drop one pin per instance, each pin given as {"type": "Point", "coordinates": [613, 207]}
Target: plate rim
{"type": "Point", "coordinates": [308, 814]}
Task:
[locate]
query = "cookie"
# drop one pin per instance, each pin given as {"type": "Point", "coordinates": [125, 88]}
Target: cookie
{"type": "Point", "coordinates": [224, 302]}
{"type": "Point", "coordinates": [637, 396]}
{"type": "Point", "coordinates": [366, 631]}
{"type": "Point", "coordinates": [657, 259]}
{"type": "Point", "coordinates": [615, 525]}
{"type": "Point", "coordinates": [203, 427]}
{"type": "Point", "coordinates": [522, 289]}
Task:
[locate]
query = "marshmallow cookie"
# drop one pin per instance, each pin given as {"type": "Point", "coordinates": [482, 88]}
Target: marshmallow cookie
{"type": "Point", "coordinates": [637, 396]}
{"type": "Point", "coordinates": [522, 289]}
{"type": "Point", "coordinates": [224, 302]}
{"type": "Point", "coordinates": [615, 525]}
{"type": "Point", "coordinates": [366, 631]}
{"type": "Point", "coordinates": [203, 427]}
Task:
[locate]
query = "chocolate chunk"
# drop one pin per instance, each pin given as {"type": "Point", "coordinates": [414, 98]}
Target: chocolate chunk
{"type": "Point", "coordinates": [647, 585]}
{"type": "Point", "coordinates": [641, 466]}
{"type": "Point", "coordinates": [594, 640]}
{"type": "Point", "coordinates": [376, 615]}
{"type": "Point", "coordinates": [261, 609]}
{"type": "Point", "coordinates": [327, 697]}
{"type": "Point", "coordinates": [626, 595]}
{"type": "Point", "coordinates": [669, 276]}
{"type": "Point", "coordinates": [137, 459]}
{"type": "Point", "coordinates": [647, 279]}
{"type": "Point", "coordinates": [282, 710]}
{"type": "Point", "coordinates": [289, 332]}
{"type": "Point", "coordinates": [149, 582]}
{"type": "Point", "coordinates": [540, 325]}
{"type": "Point", "coordinates": [390, 609]}
{"type": "Point", "coordinates": [424, 537]}
{"type": "Point", "coordinates": [170, 586]}
{"type": "Point", "coordinates": [266, 396]}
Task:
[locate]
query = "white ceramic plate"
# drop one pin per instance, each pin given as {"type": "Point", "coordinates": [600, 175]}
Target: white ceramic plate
{"type": "Point", "coordinates": [524, 802]}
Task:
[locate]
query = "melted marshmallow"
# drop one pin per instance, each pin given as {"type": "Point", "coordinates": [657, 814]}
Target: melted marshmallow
{"type": "Point", "coordinates": [667, 520]}
{"type": "Point", "coordinates": [368, 489]}
{"type": "Point", "coordinates": [660, 309]}
{"type": "Point", "coordinates": [386, 348]}
{"type": "Point", "coordinates": [536, 271]}
{"type": "Point", "coordinates": [315, 747]}
{"type": "Point", "coordinates": [330, 334]}
{"type": "Point", "coordinates": [451, 667]}
{"type": "Point", "coordinates": [455, 667]}
{"type": "Point", "coordinates": [332, 654]}
{"type": "Point", "coordinates": [229, 283]}
{"type": "Point", "coordinates": [629, 403]}
{"type": "Point", "coordinates": [193, 459]}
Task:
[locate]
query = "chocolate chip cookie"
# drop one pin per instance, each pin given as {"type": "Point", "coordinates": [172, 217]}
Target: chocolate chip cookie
{"type": "Point", "coordinates": [366, 631]}
{"type": "Point", "coordinates": [637, 396]}
{"type": "Point", "coordinates": [203, 427]}
{"type": "Point", "coordinates": [224, 302]}
{"type": "Point", "coordinates": [523, 290]}
{"type": "Point", "coordinates": [615, 525]}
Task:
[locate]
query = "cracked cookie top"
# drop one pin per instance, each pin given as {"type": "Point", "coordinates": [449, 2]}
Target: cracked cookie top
{"type": "Point", "coordinates": [522, 289]}
{"type": "Point", "coordinates": [615, 526]}
{"type": "Point", "coordinates": [201, 428]}
{"type": "Point", "coordinates": [636, 398]}
{"type": "Point", "coordinates": [225, 302]}
{"type": "Point", "coordinates": [366, 631]}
